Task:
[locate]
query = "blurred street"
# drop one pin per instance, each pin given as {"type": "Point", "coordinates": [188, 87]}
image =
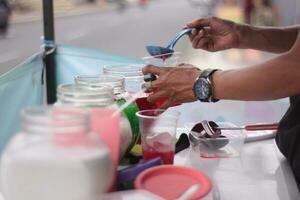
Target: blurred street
{"type": "Point", "coordinates": [124, 32]}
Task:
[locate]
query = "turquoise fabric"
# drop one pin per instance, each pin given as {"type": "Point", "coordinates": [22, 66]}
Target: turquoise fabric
{"type": "Point", "coordinates": [72, 61]}
{"type": "Point", "coordinates": [19, 88]}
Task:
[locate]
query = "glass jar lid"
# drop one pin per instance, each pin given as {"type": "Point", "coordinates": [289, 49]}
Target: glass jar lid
{"type": "Point", "coordinates": [129, 71]}
{"type": "Point", "coordinates": [54, 119]}
{"type": "Point", "coordinates": [117, 82]}
{"type": "Point", "coordinates": [81, 96]}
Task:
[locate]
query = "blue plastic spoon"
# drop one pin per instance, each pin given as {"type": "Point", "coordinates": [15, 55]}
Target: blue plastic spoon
{"type": "Point", "coordinates": [167, 51]}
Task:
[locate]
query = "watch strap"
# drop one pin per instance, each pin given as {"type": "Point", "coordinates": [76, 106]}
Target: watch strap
{"type": "Point", "coordinates": [207, 74]}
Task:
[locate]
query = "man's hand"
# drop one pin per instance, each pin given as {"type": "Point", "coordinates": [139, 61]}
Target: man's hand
{"type": "Point", "coordinates": [216, 35]}
{"type": "Point", "coordinates": [175, 84]}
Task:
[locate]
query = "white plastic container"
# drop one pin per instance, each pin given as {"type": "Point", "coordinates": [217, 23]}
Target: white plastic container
{"type": "Point", "coordinates": [55, 156]}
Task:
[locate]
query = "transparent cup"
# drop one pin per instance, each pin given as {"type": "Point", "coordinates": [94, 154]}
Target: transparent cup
{"type": "Point", "coordinates": [230, 145]}
{"type": "Point", "coordinates": [131, 72]}
{"type": "Point", "coordinates": [163, 60]}
{"type": "Point", "coordinates": [158, 133]}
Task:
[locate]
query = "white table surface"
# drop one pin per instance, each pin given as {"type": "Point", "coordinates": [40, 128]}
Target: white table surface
{"type": "Point", "coordinates": [261, 172]}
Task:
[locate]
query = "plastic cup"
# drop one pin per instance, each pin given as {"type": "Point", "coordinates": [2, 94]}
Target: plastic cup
{"type": "Point", "coordinates": [215, 148]}
{"type": "Point", "coordinates": [170, 61]}
{"type": "Point", "coordinates": [131, 72]}
{"type": "Point", "coordinates": [158, 134]}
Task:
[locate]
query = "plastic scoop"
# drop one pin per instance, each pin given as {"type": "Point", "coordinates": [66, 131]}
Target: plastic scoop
{"type": "Point", "coordinates": [158, 50]}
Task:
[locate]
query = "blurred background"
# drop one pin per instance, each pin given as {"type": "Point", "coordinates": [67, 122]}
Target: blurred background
{"type": "Point", "coordinates": [125, 27]}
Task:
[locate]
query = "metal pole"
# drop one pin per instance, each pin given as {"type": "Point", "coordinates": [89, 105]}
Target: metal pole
{"type": "Point", "coordinates": [49, 55]}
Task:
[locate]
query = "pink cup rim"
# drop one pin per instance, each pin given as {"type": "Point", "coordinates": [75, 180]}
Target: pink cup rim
{"type": "Point", "coordinates": [169, 113]}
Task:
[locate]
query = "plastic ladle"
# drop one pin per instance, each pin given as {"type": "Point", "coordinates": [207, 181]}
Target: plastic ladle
{"type": "Point", "coordinates": [168, 51]}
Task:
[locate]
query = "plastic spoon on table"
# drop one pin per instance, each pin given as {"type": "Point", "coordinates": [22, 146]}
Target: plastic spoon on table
{"type": "Point", "coordinates": [189, 192]}
{"type": "Point", "coordinates": [216, 140]}
{"type": "Point", "coordinates": [206, 132]}
{"type": "Point", "coordinates": [168, 51]}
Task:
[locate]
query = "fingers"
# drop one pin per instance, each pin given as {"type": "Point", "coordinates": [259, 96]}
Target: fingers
{"type": "Point", "coordinates": [154, 70]}
{"type": "Point", "coordinates": [197, 38]}
{"type": "Point", "coordinates": [200, 40]}
{"type": "Point", "coordinates": [153, 97]}
{"type": "Point", "coordinates": [202, 43]}
{"type": "Point", "coordinates": [199, 22]}
{"type": "Point", "coordinates": [167, 104]}
{"type": "Point", "coordinates": [153, 84]}
{"type": "Point", "coordinates": [195, 33]}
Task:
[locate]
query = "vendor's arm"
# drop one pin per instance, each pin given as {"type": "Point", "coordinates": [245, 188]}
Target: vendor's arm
{"type": "Point", "coordinates": [277, 78]}
{"type": "Point", "coordinates": [219, 34]}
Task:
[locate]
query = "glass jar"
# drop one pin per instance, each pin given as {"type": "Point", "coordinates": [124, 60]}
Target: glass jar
{"type": "Point", "coordinates": [132, 73]}
{"type": "Point", "coordinates": [79, 96]}
{"type": "Point", "coordinates": [88, 97]}
{"type": "Point", "coordinates": [117, 82]}
{"type": "Point", "coordinates": [121, 96]}
{"type": "Point", "coordinates": [55, 156]}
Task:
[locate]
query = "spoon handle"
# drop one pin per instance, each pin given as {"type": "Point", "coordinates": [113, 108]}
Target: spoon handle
{"type": "Point", "coordinates": [178, 36]}
{"type": "Point", "coordinates": [257, 127]}
{"type": "Point", "coordinates": [253, 127]}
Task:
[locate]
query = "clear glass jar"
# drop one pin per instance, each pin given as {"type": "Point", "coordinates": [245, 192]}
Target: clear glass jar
{"type": "Point", "coordinates": [55, 156]}
{"type": "Point", "coordinates": [117, 82]}
{"type": "Point", "coordinates": [88, 97]}
{"type": "Point", "coordinates": [79, 96]}
{"type": "Point", "coordinates": [133, 74]}
{"type": "Point", "coordinates": [121, 96]}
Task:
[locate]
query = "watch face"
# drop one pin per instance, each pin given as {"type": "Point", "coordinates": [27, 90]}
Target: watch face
{"type": "Point", "coordinates": [202, 89]}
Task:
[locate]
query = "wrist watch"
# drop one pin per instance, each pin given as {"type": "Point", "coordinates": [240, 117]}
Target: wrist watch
{"type": "Point", "coordinates": [203, 86]}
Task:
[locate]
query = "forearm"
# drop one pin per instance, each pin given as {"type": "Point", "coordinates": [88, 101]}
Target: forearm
{"type": "Point", "coordinates": [273, 39]}
{"type": "Point", "coordinates": [277, 78]}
